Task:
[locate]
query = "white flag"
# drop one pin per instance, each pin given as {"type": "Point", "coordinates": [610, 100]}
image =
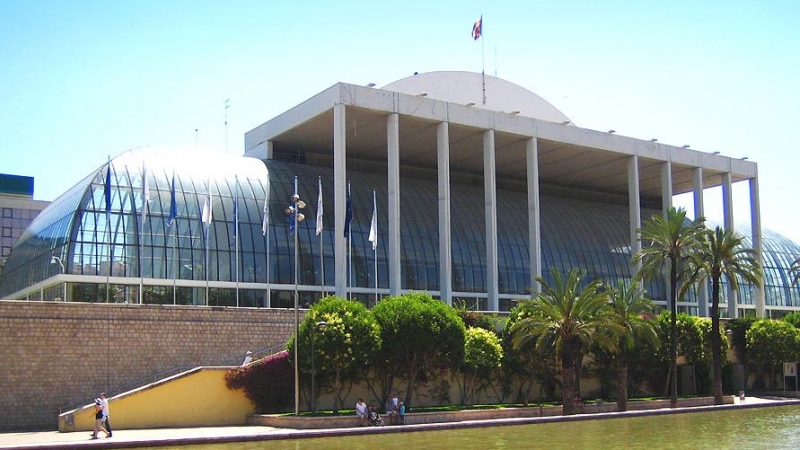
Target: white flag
{"type": "Point", "coordinates": [207, 210]}
{"type": "Point", "coordinates": [145, 193]}
{"type": "Point", "coordinates": [319, 209]}
{"type": "Point", "coordinates": [373, 228]}
{"type": "Point", "coordinates": [265, 213]}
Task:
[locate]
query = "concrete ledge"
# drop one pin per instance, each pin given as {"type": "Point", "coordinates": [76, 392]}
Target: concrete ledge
{"type": "Point", "coordinates": [328, 422]}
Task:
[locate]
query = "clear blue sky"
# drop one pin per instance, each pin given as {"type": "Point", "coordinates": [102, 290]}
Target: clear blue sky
{"type": "Point", "coordinates": [81, 80]}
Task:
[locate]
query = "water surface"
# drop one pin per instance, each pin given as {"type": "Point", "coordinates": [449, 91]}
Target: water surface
{"type": "Point", "coordinates": [744, 429]}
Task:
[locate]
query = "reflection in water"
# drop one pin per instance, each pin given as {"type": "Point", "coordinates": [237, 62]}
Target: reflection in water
{"type": "Point", "coordinates": [758, 428]}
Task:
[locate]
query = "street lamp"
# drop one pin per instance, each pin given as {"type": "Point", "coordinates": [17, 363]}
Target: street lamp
{"type": "Point", "coordinates": [56, 259]}
{"type": "Point", "coordinates": [317, 326]}
{"type": "Point", "coordinates": [295, 216]}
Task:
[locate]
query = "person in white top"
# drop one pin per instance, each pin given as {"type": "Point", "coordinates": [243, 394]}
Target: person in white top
{"type": "Point", "coordinates": [106, 421]}
{"type": "Point", "coordinates": [248, 358]}
{"type": "Point", "coordinates": [361, 412]}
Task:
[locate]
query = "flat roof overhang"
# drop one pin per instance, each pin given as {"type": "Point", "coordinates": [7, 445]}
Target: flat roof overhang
{"type": "Point", "coordinates": [570, 157]}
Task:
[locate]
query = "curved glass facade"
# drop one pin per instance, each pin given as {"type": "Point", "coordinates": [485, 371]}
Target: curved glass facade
{"type": "Point", "coordinates": [103, 231]}
{"type": "Point", "coordinates": [141, 256]}
{"type": "Point", "coordinates": [778, 254]}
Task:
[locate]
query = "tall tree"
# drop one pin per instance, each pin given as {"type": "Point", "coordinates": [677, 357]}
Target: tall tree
{"type": "Point", "coordinates": [770, 343]}
{"type": "Point", "coordinates": [346, 338]}
{"type": "Point", "coordinates": [631, 310]}
{"type": "Point", "coordinates": [482, 356]}
{"type": "Point", "coordinates": [567, 317]}
{"type": "Point", "coordinates": [668, 240]}
{"type": "Point", "coordinates": [419, 334]}
{"type": "Point", "coordinates": [722, 255]}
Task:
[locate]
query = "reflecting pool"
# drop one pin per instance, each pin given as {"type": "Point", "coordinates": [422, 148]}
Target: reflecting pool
{"type": "Point", "coordinates": [754, 428]}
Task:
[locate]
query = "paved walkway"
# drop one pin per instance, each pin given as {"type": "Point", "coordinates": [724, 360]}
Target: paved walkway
{"type": "Point", "coordinates": [41, 440]}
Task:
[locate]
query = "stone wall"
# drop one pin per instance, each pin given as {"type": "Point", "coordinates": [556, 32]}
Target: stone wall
{"type": "Point", "coordinates": [58, 355]}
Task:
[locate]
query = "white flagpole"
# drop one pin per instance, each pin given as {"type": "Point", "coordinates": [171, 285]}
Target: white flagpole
{"type": "Point", "coordinates": [107, 194]}
{"type": "Point", "coordinates": [227, 103]}
{"type": "Point", "coordinates": [373, 237]}
{"type": "Point", "coordinates": [236, 231]}
{"type": "Point", "coordinates": [172, 222]}
{"type": "Point", "coordinates": [176, 268]}
{"type": "Point", "coordinates": [207, 218]}
{"type": "Point", "coordinates": [319, 233]}
{"type": "Point", "coordinates": [207, 263]}
{"type": "Point", "coordinates": [265, 233]}
{"type": "Point", "coordinates": [295, 202]}
{"type": "Point", "coordinates": [145, 200]}
{"type": "Point", "coordinates": [350, 250]}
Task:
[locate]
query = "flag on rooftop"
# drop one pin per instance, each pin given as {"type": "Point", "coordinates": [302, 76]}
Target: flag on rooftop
{"type": "Point", "coordinates": [477, 29]}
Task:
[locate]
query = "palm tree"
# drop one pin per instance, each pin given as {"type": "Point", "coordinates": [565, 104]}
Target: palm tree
{"type": "Point", "coordinates": [630, 309]}
{"type": "Point", "coordinates": [566, 318]}
{"type": "Point", "coordinates": [668, 240]}
{"type": "Point", "coordinates": [722, 255]}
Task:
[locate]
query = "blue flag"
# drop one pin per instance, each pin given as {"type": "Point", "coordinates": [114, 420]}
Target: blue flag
{"type": "Point", "coordinates": [173, 205]}
{"type": "Point", "coordinates": [107, 188]}
{"type": "Point", "coordinates": [291, 213]}
{"type": "Point", "coordinates": [348, 215]}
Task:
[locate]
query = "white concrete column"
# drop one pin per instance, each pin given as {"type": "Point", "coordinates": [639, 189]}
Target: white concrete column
{"type": "Point", "coordinates": [727, 201]}
{"type": "Point", "coordinates": [393, 167]}
{"type": "Point", "coordinates": [534, 228]}
{"type": "Point", "coordinates": [270, 146]}
{"type": "Point", "coordinates": [445, 249]}
{"type": "Point", "coordinates": [666, 204]}
{"type": "Point", "coordinates": [755, 225]}
{"type": "Point", "coordinates": [490, 203]}
{"type": "Point", "coordinates": [340, 196]}
{"type": "Point", "coordinates": [666, 187]}
{"type": "Point", "coordinates": [697, 184]}
{"type": "Point", "coordinates": [727, 218]}
{"type": "Point", "coordinates": [634, 209]}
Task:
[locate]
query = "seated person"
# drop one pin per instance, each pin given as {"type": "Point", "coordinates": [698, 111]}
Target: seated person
{"type": "Point", "coordinates": [391, 409]}
{"type": "Point", "coordinates": [361, 412]}
{"type": "Point", "coordinates": [577, 402]}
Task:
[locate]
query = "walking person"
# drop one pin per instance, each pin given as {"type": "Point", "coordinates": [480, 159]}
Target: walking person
{"type": "Point", "coordinates": [98, 418]}
{"type": "Point", "coordinates": [106, 422]}
{"type": "Point", "coordinates": [248, 358]}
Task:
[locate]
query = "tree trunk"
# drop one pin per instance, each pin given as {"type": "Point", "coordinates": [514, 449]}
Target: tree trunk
{"type": "Point", "coordinates": [622, 377]}
{"type": "Point", "coordinates": [337, 384]}
{"type": "Point", "coordinates": [412, 376]}
{"type": "Point", "coordinates": [673, 334]}
{"type": "Point", "coordinates": [568, 378]}
{"type": "Point", "coordinates": [716, 357]}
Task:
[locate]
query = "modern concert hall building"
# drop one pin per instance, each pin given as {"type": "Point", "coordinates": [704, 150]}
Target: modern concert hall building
{"type": "Point", "coordinates": [477, 187]}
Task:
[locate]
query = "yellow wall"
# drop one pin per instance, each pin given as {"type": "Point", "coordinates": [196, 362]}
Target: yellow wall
{"type": "Point", "coordinates": [195, 398]}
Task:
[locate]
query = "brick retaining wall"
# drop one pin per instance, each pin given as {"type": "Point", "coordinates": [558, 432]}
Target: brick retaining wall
{"type": "Point", "coordinates": [58, 354]}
